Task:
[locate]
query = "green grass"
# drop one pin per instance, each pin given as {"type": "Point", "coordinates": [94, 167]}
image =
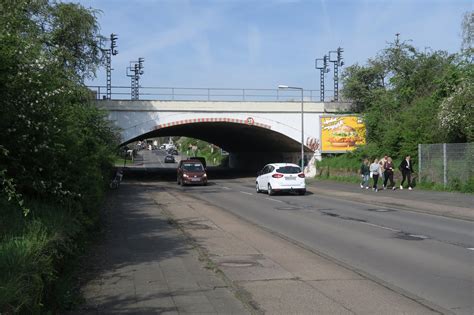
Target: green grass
{"type": "Point", "coordinates": [36, 255]}
{"type": "Point", "coordinates": [213, 157]}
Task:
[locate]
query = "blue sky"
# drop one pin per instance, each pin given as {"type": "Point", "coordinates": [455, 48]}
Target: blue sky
{"type": "Point", "coordinates": [260, 44]}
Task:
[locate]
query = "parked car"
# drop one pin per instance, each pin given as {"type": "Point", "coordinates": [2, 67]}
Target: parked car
{"type": "Point", "coordinates": [173, 152]}
{"type": "Point", "coordinates": [281, 177]}
{"type": "Point", "coordinates": [191, 172]}
{"type": "Point", "coordinates": [170, 159]}
{"type": "Point", "coordinates": [201, 159]}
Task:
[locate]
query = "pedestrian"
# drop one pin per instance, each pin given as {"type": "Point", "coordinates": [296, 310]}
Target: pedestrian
{"type": "Point", "coordinates": [364, 173]}
{"type": "Point", "coordinates": [388, 166]}
{"type": "Point", "coordinates": [406, 167]}
{"type": "Point", "coordinates": [375, 172]}
{"type": "Point", "coordinates": [382, 174]}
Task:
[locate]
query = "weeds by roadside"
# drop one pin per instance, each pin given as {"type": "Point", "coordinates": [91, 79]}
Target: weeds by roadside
{"type": "Point", "coordinates": [38, 253]}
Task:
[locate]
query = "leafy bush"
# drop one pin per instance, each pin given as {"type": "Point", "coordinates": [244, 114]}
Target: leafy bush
{"type": "Point", "coordinates": [56, 147]}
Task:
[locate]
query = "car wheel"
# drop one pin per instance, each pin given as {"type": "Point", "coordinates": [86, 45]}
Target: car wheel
{"type": "Point", "coordinates": [258, 189]}
{"type": "Point", "coordinates": [270, 190]}
{"type": "Point", "coordinates": [302, 192]}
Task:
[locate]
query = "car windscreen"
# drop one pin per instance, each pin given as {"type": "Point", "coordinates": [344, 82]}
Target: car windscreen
{"type": "Point", "coordinates": [193, 167]}
{"type": "Point", "coordinates": [288, 170]}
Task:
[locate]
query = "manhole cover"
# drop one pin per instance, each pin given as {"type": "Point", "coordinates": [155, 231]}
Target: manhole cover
{"type": "Point", "coordinates": [288, 208]}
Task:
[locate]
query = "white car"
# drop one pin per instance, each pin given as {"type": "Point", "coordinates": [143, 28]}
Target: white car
{"type": "Point", "coordinates": [278, 177]}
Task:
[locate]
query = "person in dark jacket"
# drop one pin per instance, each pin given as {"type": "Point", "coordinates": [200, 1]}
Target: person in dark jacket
{"type": "Point", "coordinates": [388, 166]}
{"type": "Point", "coordinates": [406, 167]}
{"type": "Point", "coordinates": [365, 172]}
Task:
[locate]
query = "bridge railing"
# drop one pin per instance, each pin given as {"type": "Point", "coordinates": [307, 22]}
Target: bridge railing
{"type": "Point", "coordinates": [210, 94]}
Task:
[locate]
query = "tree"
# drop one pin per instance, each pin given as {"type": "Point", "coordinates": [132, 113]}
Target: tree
{"type": "Point", "coordinates": [402, 92]}
{"type": "Point", "coordinates": [55, 143]}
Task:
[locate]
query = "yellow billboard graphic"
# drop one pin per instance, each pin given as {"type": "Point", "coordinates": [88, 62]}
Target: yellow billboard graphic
{"type": "Point", "coordinates": [341, 133]}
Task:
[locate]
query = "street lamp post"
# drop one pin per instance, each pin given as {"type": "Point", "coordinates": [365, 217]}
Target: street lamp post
{"type": "Point", "coordinates": [286, 87]}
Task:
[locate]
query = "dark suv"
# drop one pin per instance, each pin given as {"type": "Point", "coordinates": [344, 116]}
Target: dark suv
{"type": "Point", "coordinates": [191, 172]}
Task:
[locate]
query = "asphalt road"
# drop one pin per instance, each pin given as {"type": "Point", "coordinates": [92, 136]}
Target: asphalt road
{"type": "Point", "coordinates": [427, 257]}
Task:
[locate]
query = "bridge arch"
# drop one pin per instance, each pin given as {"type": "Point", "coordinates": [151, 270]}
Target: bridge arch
{"type": "Point", "coordinates": [253, 132]}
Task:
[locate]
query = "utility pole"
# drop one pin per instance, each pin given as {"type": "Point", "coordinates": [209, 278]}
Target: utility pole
{"type": "Point", "coordinates": [335, 56]}
{"type": "Point", "coordinates": [322, 65]}
{"type": "Point", "coordinates": [134, 71]}
{"type": "Point", "coordinates": [108, 63]}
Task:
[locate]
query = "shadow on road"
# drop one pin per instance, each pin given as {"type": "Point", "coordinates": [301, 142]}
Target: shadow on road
{"type": "Point", "coordinates": [169, 174]}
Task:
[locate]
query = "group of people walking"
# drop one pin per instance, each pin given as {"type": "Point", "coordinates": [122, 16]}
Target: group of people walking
{"type": "Point", "coordinates": [384, 169]}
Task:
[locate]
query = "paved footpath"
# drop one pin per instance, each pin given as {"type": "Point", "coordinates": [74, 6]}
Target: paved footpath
{"type": "Point", "coordinates": [145, 265]}
{"type": "Point", "coordinates": [167, 253]}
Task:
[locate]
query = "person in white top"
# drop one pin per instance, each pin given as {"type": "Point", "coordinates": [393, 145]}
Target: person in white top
{"type": "Point", "coordinates": [375, 170]}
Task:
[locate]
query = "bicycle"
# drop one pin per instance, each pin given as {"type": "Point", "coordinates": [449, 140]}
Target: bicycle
{"type": "Point", "coordinates": [115, 183]}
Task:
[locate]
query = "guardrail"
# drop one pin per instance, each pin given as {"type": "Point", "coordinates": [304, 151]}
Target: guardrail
{"type": "Point", "coordinates": [211, 94]}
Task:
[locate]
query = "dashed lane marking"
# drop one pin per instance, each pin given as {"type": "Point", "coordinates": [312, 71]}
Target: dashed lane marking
{"type": "Point", "coordinates": [244, 192]}
{"type": "Point", "coordinates": [419, 236]}
{"type": "Point", "coordinates": [274, 200]}
{"type": "Point", "coordinates": [381, 226]}
{"type": "Point", "coordinates": [471, 248]}
{"type": "Point", "coordinates": [226, 188]}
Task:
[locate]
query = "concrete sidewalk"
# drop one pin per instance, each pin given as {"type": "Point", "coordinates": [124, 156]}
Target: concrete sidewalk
{"type": "Point", "coordinates": [449, 204]}
{"type": "Point", "coordinates": [145, 265]}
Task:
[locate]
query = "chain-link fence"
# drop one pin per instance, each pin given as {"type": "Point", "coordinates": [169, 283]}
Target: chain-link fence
{"type": "Point", "coordinates": [449, 164]}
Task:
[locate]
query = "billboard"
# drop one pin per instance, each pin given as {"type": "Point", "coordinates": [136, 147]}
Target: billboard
{"type": "Point", "coordinates": [340, 134]}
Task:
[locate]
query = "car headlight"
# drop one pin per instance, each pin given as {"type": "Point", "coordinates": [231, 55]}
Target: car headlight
{"type": "Point", "coordinates": [205, 175]}
{"type": "Point", "coordinates": [185, 175]}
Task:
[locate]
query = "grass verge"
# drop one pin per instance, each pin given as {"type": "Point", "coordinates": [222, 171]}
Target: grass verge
{"type": "Point", "coordinates": [37, 255]}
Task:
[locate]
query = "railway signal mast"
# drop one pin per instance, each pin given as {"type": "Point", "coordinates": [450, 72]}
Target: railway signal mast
{"type": "Point", "coordinates": [322, 65]}
{"type": "Point", "coordinates": [335, 56]}
{"type": "Point", "coordinates": [134, 71]}
{"type": "Point", "coordinates": [112, 51]}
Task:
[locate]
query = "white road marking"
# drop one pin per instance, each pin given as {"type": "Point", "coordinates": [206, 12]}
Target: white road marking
{"type": "Point", "coordinates": [418, 236]}
{"type": "Point", "coordinates": [274, 200]}
{"type": "Point", "coordinates": [226, 188]}
{"type": "Point", "coordinates": [471, 248]}
{"type": "Point", "coordinates": [382, 227]}
{"type": "Point", "coordinates": [244, 192]}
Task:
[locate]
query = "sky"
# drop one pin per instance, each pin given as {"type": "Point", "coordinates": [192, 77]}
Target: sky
{"type": "Point", "coordinates": [264, 43]}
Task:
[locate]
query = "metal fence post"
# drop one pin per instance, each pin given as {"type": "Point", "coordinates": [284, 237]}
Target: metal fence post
{"type": "Point", "coordinates": [419, 162]}
{"type": "Point", "coordinates": [445, 166]}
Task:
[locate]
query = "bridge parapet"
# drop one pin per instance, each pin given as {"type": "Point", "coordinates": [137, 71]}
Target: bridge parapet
{"type": "Point", "coordinates": [222, 106]}
{"type": "Point", "coordinates": [210, 94]}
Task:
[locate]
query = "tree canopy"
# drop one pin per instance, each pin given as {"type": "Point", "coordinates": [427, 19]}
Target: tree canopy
{"type": "Point", "coordinates": [54, 144]}
{"type": "Point", "coordinates": [408, 96]}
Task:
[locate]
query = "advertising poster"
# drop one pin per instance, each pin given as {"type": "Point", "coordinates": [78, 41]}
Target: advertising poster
{"type": "Point", "coordinates": [340, 134]}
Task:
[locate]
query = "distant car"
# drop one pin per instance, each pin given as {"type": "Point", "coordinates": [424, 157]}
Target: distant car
{"type": "Point", "coordinates": [173, 152]}
{"type": "Point", "coordinates": [162, 147]}
{"type": "Point", "coordinates": [191, 172]}
{"type": "Point", "coordinates": [281, 177]}
{"type": "Point", "coordinates": [201, 159]}
{"type": "Point", "coordinates": [170, 159]}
